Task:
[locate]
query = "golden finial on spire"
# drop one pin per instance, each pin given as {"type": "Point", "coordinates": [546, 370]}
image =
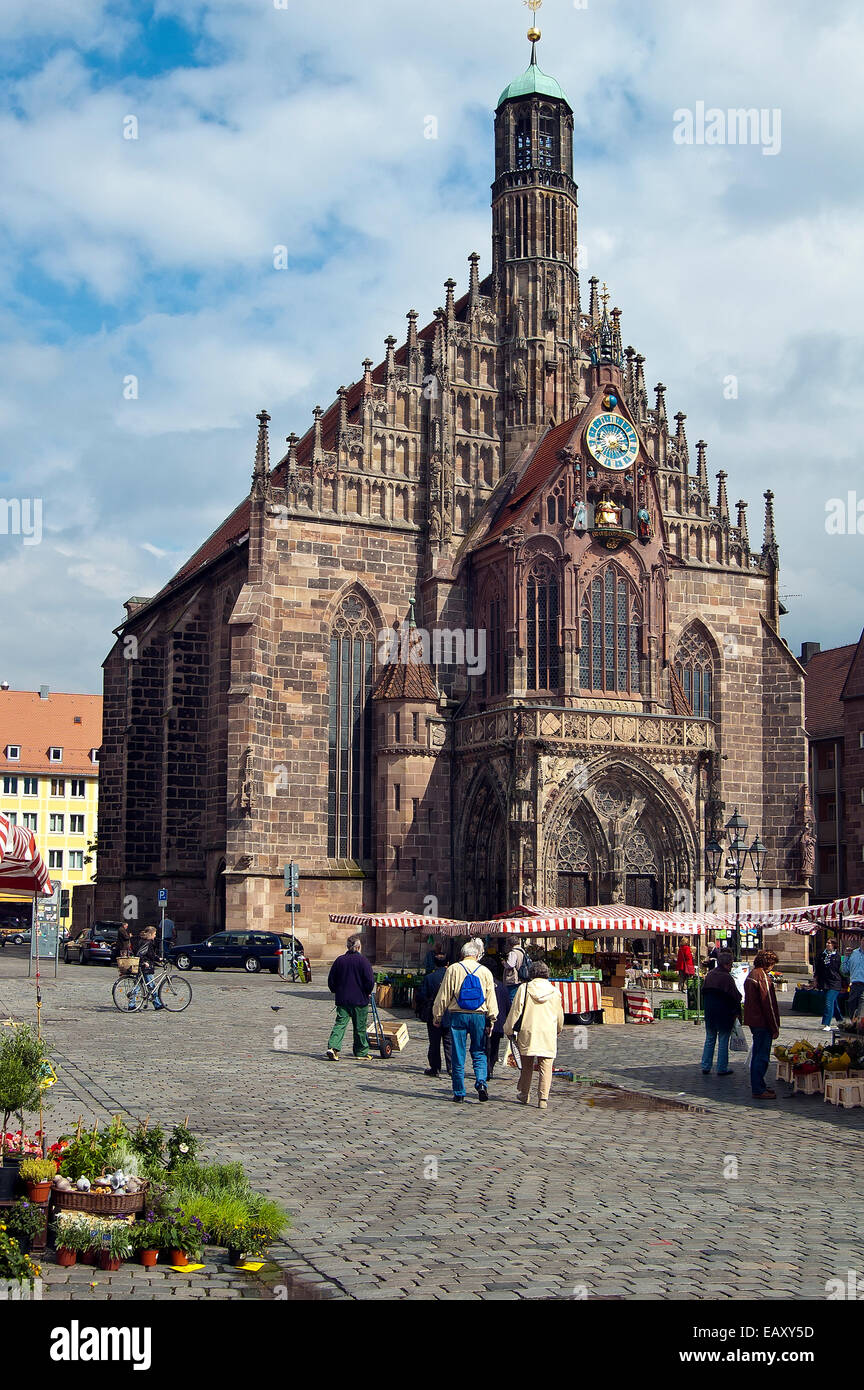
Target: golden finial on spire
{"type": "Point", "coordinates": [534, 33]}
{"type": "Point", "coordinates": [604, 294]}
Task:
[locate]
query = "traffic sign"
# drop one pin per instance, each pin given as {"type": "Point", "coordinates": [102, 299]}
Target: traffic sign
{"type": "Point", "coordinates": [295, 906]}
{"type": "Point", "coordinates": [163, 896]}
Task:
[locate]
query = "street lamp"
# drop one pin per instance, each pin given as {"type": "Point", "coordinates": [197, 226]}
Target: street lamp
{"type": "Point", "coordinates": [737, 854]}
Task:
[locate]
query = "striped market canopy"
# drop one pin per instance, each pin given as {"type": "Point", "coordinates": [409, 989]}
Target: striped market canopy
{"type": "Point", "coordinates": [405, 921]}
{"type": "Point", "coordinates": [22, 868]}
{"type": "Point", "coordinates": [624, 919]}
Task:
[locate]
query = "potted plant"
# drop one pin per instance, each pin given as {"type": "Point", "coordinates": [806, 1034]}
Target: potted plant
{"type": "Point", "coordinates": [15, 1265]}
{"type": "Point", "coordinates": [26, 1222]}
{"type": "Point", "coordinates": [146, 1237]}
{"type": "Point", "coordinates": [36, 1174]}
{"type": "Point", "coordinates": [265, 1222]}
{"type": "Point", "coordinates": [22, 1060]}
{"type": "Point", "coordinates": [182, 1236]}
{"type": "Point", "coordinates": [116, 1246]}
{"type": "Point", "coordinates": [72, 1237]}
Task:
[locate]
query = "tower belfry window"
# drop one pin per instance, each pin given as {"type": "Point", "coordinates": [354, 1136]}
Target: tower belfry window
{"type": "Point", "coordinates": [548, 143]}
{"type": "Point", "coordinates": [523, 143]}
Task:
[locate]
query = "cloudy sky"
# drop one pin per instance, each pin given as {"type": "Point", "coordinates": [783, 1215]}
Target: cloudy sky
{"type": "Point", "coordinates": [262, 123]}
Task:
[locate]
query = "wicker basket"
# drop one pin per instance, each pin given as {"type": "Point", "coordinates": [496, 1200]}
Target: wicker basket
{"type": "Point", "coordinates": [100, 1203]}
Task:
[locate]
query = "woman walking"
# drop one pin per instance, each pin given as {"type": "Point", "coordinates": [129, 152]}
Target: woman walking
{"type": "Point", "coordinates": [535, 1019]}
{"type": "Point", "coordinates": [762, 1017]}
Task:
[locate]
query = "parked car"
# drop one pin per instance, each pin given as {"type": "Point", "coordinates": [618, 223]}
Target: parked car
{"type": "Point", "coordinates": [97, 943]}
{"type": "Point", "coordinates": [16, 938]}
{"type": "Point", "coordinates": [247, 950]}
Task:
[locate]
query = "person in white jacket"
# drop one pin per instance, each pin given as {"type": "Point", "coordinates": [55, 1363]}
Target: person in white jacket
{"type": "Point", "coordinates": [534, 1022]}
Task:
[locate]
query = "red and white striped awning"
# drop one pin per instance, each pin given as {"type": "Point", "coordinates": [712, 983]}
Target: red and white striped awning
{"type": "Point", "coordinates": [405, 921]}
{"type": "Point", "coordinates": [633, 921]}
{"type": "Point", "coordinates": [22, 868]}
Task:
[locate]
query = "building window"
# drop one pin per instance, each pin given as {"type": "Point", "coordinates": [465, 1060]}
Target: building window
{"type": "Point", "coordinates": [397, 790]}
{"type": "Point", "coordinates": [494, 675]}
{"type": "Point", "coordinates": [548, 143]}
{"type": "Point", "coordinates": [349, 797]}
{"type": "Point", "coordinates": [520, 239]}
{"type": "Point", "coordinates": [57, 825]}
{"type": "Point", "coordinates": [415, 727]}
{"type": "Point", "coordinates": [10, 786]}
{"type": "Point", "coordinates": [77, 787]}
{"type": "Point", "coordinates": [31, 786]}
{"type": "Point", "coordinates": [523, 143]}
{"type": "Point", "coordinates": [31, 821]}
{"type": "Point", "coordinates": [55, 755]}
{"type": "Point", "coordinates": [58, 786]}
{"type": "Point", "coordinates": [542, 628]}
{"type": "Point", "coordinates": [55, 859]}
{"type": "Point", "coordinates": [76, 859]}
{"type": "Point", "coordinates": [825, 757]}
{"type": "Point", "coordinates": [550, 231]}
{"type": "Point", "coordinates": [76, 825]}
{"type": "Point", "coordinates": [13, 752]}
{"type": "Point", "coordinates": [694, 667]}
{"type": "Point", "coordinates": [11, 816]}
{"type": "Point", "coordinates": [94, 755]}
{"type": "Point", "coordinates": [610, 631]}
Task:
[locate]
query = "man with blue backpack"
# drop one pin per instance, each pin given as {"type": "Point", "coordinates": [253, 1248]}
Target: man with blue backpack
{"type": "Point", "coordinates": [467, 997]}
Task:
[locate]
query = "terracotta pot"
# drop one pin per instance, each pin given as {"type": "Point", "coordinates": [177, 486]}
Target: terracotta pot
{"type": "Point", "coordinates": [149, 1258]}
{"type": "Point", "coordinates": [66, 1257]}
{"type": "Point", "coordinates": [178, 1257]}
{"type": "Point", "coordinates": [109, 1262]}
{"type": "Point", "coordinates": [38, 1192]}
{"type": "Point", "coordinates": [88, 1257]}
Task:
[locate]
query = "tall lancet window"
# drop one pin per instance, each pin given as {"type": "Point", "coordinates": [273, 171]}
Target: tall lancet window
{"type": "Point", "coordinates": [349, 792]}
{"type": "Point", "coordinates": [542, 615]}
{"type": "Point", "coordinates": [694, 667]}
{"type": "Point", "coordinates": [548, 143]}
{"type": "Point", "coordinates": [610, 630]}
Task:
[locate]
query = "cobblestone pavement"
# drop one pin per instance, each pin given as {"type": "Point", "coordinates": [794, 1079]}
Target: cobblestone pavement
{"type": "Point", "coordinates": [395, 1192]}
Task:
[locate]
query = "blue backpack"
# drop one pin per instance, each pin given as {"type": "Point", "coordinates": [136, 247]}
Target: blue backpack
{"type": "Point", "coordinates": [472, 995]}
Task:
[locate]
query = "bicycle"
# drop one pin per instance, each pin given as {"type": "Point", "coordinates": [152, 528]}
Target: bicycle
{"type": "Point", "coordinates": [133, 993]}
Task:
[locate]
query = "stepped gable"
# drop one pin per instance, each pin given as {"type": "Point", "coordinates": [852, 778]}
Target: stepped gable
{"type": "Point", "coordinates": [235, 527]}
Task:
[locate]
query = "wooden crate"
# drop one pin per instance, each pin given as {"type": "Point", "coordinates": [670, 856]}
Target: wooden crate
{"type": "Point", "coordinates": [612, 996]}
{"type": "Point", "coordinates": [614, 1015]}
{"type": "Point", "coordinates": [394, 1030]}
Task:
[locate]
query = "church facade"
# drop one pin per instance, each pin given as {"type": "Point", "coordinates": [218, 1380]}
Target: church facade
{"type": "Point", "coordinates": [485, 635]}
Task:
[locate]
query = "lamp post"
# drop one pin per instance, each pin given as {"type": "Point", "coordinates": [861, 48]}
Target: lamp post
{"type": "Point", "coordinates": [737, 853]}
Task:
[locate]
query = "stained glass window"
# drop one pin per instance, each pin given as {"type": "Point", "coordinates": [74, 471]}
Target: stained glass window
{"type": "Point", "coordinates": [610, 632]}
{"type": "Point", "coordinates": [694, 667]}
{"type": "Point", "coordinates": [349, 791]}
{"type": "Point", "coordinates": [542, 629]}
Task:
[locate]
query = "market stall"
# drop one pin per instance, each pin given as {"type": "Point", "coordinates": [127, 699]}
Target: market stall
{"type": "Point", "coordinates": [395, 988]}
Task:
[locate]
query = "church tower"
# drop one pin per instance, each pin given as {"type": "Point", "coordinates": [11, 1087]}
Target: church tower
{"type": "Point", "coordinates": [535, 252]}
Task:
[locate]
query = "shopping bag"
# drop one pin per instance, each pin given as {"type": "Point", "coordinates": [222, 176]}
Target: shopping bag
{"type": "Point", "coordinates": [737, 1040]}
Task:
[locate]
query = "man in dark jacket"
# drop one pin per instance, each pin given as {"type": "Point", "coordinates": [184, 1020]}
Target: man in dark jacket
{"type": "Point", "coordinates": [722, 1004]}
{"type": "Point", "coordinates": [494, 1036]}
{"type": "Point", "coordinates": [829, 978]}
{"type": "Point", "coordinates": [351, 979]}
{"type": "Point", "coordinates": [437, 1036]}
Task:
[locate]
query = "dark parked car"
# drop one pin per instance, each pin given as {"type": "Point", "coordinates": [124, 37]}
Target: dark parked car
{"type": "Point", "coordinates": [249, 950]}
{"type": "Point", "coordinates": [16, 938]}
{"type": "Point", "coordinates": [97, 943]}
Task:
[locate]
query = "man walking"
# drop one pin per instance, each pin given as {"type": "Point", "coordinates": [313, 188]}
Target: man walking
{"type": "Point", "coordinates": [351, 980]}
{"type": "Point", "coordinates": [722, 1004]}
{"type": "Point", "coordinates": [513, 968]}
{"type": "Point", "coordinates": [467, 998]}
{"type": "Point", "coordinates": [762, 1017]}
{"type": "Point", "coordinates": [426, 993]}
{"type": "Point", "coordinates": [856, 980]}
{"type": "Point", "coordinates": [829, 978]}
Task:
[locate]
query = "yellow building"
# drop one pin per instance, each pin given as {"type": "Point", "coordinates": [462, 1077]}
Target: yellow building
{"type": "Point", "coordinates": [49, 779]}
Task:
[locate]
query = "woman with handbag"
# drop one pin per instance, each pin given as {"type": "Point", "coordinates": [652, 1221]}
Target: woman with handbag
{"type": "Point", "coordinates": [534, 1022]}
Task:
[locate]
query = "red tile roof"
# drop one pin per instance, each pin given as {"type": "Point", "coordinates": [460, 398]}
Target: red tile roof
{"type": "Point", "coordinates": [824, 678]}
{"type": "Point", "coordinates": [36, 725]}
{"type": "Point", "coordinates": [853, 687]}
{"type": "Point", "coordinates": [542, 467]}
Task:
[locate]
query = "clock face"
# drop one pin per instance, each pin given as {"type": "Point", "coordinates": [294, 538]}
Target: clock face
{"type": "Point", "coordinates": [612, 441]}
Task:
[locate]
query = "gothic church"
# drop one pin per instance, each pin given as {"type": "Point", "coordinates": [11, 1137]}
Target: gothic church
{"type": "Point", "coordinates": [503, 472]}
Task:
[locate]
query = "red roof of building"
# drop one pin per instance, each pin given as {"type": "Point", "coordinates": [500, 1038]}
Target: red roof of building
{"type": "Point", "coordinates": [543, 466]}
{"type": "Point", "coordinates": [35, 725]}
{"type": "Point", "coordinates": [825, 675]}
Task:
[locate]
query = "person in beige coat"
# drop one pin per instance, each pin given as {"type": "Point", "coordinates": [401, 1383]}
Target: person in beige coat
{"type": "Point", "coordinates": [535, 1019]}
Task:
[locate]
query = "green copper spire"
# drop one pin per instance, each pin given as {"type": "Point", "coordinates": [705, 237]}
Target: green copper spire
{"type": "Point", "coordinates": [533, 80]}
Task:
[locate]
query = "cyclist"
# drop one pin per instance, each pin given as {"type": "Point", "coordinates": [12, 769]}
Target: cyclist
{"type": "Point", "coordinates": [148, 959]}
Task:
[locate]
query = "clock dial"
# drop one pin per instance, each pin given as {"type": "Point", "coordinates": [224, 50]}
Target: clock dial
{"type": "Point", "coordinates": [612, 441]}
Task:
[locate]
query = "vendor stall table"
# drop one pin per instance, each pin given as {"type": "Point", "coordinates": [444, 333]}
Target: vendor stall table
{"type": "Point", "coordinates": [579, 996]}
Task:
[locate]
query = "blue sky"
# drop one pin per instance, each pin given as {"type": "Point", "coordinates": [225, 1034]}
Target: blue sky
{"type": "Point", "coordinates": [259, 126]}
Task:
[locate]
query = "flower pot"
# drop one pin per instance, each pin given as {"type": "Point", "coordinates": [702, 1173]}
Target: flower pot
{"type": "Point", "coordinates": [66, 1257]}
{"type": "Point", "coordinates": [88, 1257]}
{"type": "Point", "coordinates": [149, 1258]}
{"type": "Point", "coordinates": [109, 1262]}
{"type": "Point", "coordinates": [38, 1192]}
{"type": "Point", "coordinates": [178, 1257]}
{"type": "Point", "coordinates": [235, 1256]}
